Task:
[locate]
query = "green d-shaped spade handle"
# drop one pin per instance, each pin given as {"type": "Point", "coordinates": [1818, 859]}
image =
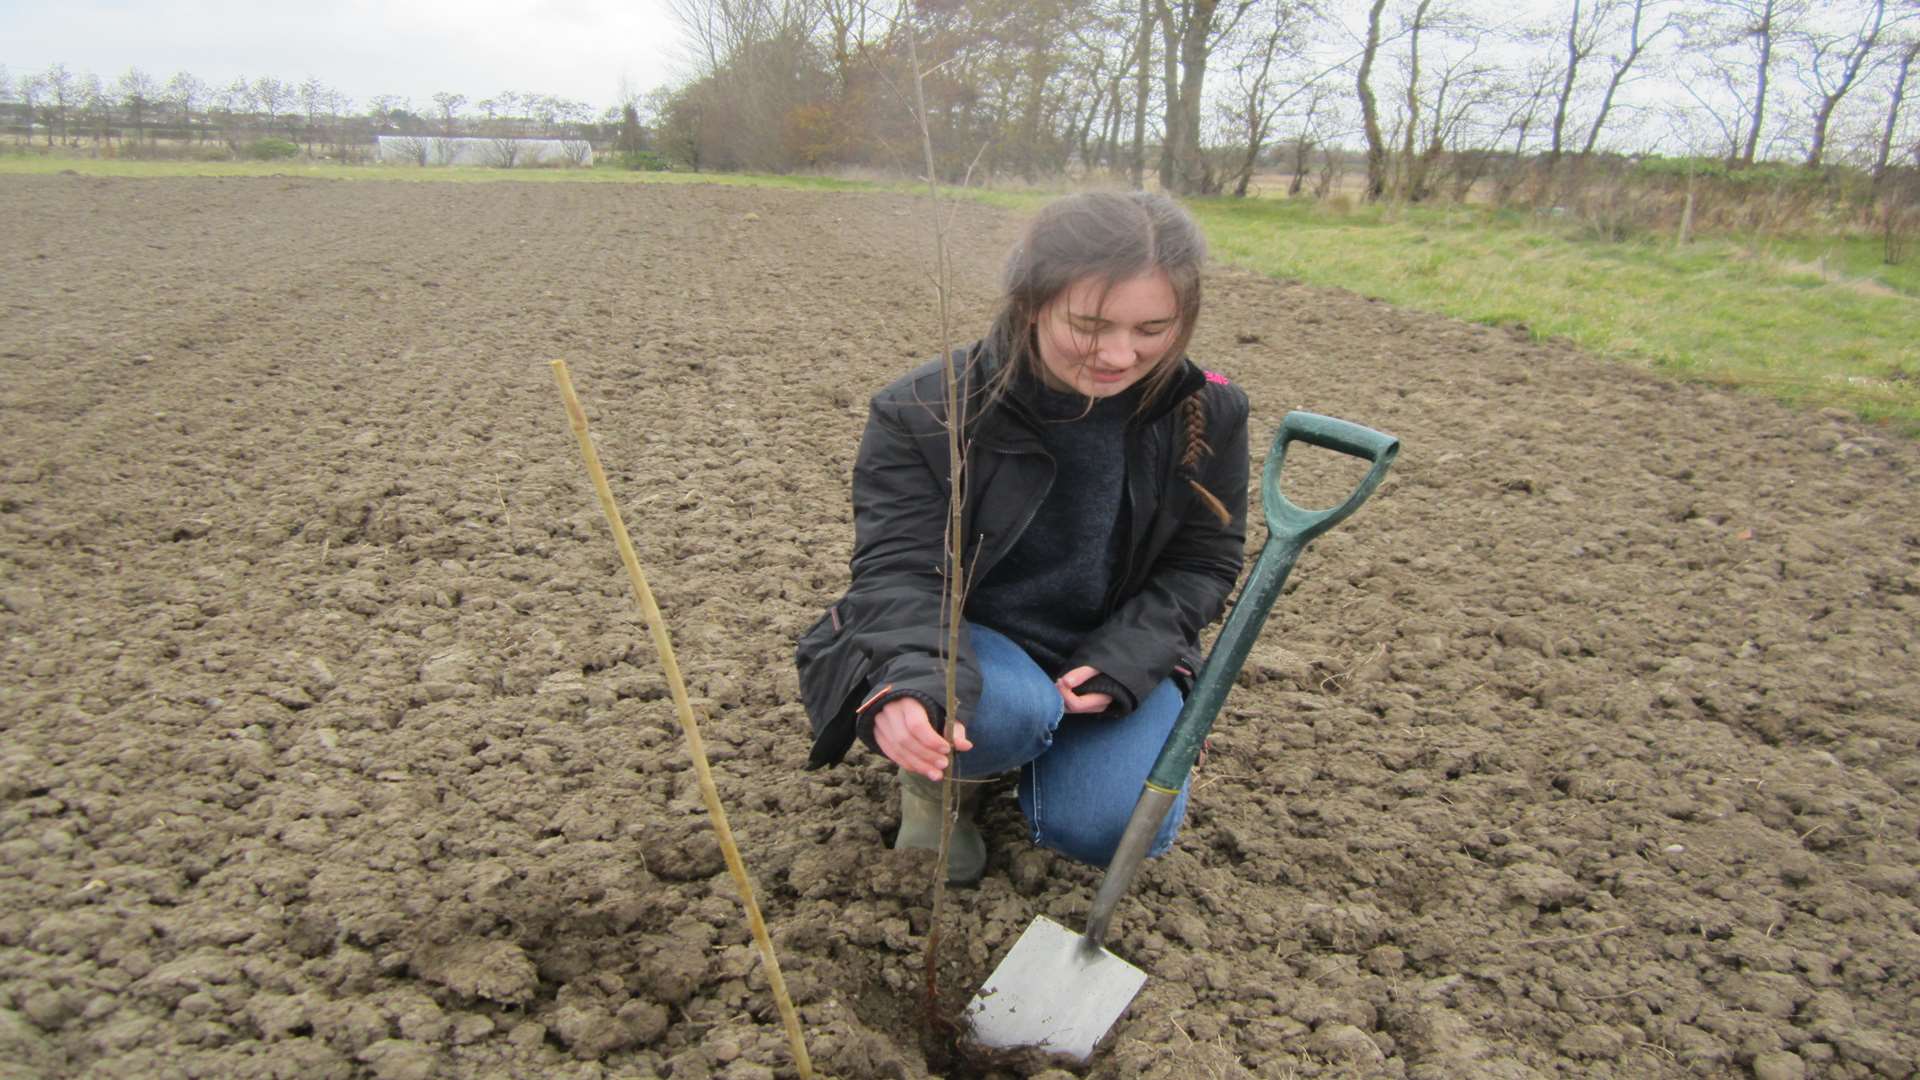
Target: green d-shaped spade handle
{"type": "Point", "coordinates": [1289, 530]}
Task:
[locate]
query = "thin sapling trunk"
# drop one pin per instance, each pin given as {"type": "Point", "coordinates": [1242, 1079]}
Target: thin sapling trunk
{"type": "Point", "coordinates": [953, 589]}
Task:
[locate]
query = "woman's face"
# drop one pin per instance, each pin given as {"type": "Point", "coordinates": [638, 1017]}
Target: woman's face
{"type": "Point", "coordinates": [1098, 341]}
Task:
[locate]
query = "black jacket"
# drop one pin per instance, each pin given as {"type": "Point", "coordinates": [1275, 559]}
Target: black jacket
{"type": "Point", "coordinates": [1178, 566]}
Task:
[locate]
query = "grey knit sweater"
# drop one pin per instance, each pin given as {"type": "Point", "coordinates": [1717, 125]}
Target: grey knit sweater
{"type": "Point", "coordinates": [1049, 591]}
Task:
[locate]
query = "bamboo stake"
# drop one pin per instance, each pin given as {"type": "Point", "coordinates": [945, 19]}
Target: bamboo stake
{"type": "Point", "coordinates": [695, 747]}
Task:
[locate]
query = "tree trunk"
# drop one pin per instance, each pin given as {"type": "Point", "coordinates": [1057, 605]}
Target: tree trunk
{"type": "Point", "coordinates": [1765, 30]}
{"type": "Point", "coordinates": [1369, 110]}
{"type": "Point", "coordinates": [1141, 88]}
{"type": "Point", "coordinates": [1329, 173]}
{"type": "Point", "coordinates": [1857, 54]}
{"type": "Point", "coordinates": [1635, 46]}
{"type": "Point", "coordinates": [1574, 57]}
{"type": "Point", "coordinates": [1885, 154]}
{"type": "Point", "coordinates": [1408, 180]}
{"type": "Point", "coordinates": [1110, 127]}
{"type": "Point", "coordinates": [1822, 115]}
{"type": "Point", "coordinates": [1170, 75]}
{"type": "Point", "coordinates": [1191, 177]}
{"type": "Point", "coordinates": [1030, 136]}
{"type": "Point", "coordinates": [1686, 217]}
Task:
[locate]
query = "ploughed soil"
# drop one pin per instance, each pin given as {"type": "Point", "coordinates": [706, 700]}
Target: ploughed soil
{"type": "Point", "coordinates": [332, 744]}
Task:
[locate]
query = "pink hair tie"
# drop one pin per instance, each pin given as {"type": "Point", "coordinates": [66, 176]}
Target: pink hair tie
{"type": "Point", "coordinates": [1216, 377]}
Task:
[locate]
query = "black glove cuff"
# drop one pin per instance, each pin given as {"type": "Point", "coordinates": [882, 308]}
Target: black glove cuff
{"type": "Point", "coordinates": [863, 720]}
{"type": "Point", "coordinates": [1123, 702]}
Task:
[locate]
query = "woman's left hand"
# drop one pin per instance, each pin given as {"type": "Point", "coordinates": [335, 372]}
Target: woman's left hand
{"type": "Point", "coordinates": [1081, 703]}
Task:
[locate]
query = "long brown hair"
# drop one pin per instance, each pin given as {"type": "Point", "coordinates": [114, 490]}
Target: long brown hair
{"type": "Point", "coordinates": [1109, 237]}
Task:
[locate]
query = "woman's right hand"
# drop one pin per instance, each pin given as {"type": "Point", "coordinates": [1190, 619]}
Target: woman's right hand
{"type": "Point", "coordinates": [907, 736]}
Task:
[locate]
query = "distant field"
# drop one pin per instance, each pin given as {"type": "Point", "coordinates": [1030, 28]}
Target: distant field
{"type": "Point", "coordinates": [1818, 321]}
{"type": "Point", "coordinates": [34, 165]}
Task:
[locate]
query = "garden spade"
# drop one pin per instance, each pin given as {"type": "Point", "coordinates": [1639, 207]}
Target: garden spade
{"type": "Point", "coordinates": [1062, 991]}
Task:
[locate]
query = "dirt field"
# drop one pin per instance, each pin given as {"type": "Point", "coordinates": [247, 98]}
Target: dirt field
{"type": "Point", "coordinates": [333, 745]}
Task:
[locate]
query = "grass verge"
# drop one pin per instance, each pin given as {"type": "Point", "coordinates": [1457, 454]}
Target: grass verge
{"type": "Point", "coordinates": [1740, 314]}
{"type": "Point", "coordinates": [1812, 321]}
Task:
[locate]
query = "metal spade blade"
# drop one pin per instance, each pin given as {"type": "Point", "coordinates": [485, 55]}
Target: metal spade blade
{"type": "Point", "coordinates": [1056, 990]}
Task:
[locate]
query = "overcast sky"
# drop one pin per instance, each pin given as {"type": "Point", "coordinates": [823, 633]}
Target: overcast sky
{"type": "Point", "coordinates": [579, 49]}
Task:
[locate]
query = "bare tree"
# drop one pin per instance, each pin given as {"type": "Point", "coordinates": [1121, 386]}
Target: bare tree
{"type": "Point", "coordinates": [1191, 29]}
{"type": "Point", "coordinates": [1107, 105]}
{"type": "Point", "coordinates": [338, 106]}
{"type": "Point", "coordinates": [231, 103]}
{"type": "Point", "coordinates": [1308, 135]}
{"type": "Point", "coordinates": [1528, 97]}
{"type": "Point", "coordinates": [1834, 62]}
{"type": "Point", "coordinates": [507, 103]}
{"type": "Point", "coordinates": [1467, 86]}
{"type": "Point", "coordinates": [449, 105]}
{"type": "Point", "coordinates": [1412, 118]}
{"type": "Point", "coordinates": [137, 92]}
{"type": "Point", "coordinates": [62, 90]}
{"type": "Point", "coordinates": [1910, 51]}
{"type": "Point", "coordinates": [1251, 110]}
{"type": "Point", "coordinates": [313, 100]}
{"type": "Point", "coordinates": [571, 113]}
{"type": "Point", "coordinates": [1717, 92]}
{"type": "Point", "coordinates": [415, 148]}
{"type": "Point", "coordinates": [96, 108]}
{"type": "Point", "coordinates": [1143, 82]}
{"type": "Point", "coordinates": [33, 93]}
{"type": "Point", "coordinates": [184, 93]}
{"type": "Point", "coordinates": [1754, 28]}
{"type": "Point", "coordinates": [758, 64]}
{"type": "Point", "coordinates": [1369, 108]}
{"type": "Point", "coordinates": [1255, 100]}
{"type": "Point", "coordinates": [275, 99]}
{"type": "Point", "coordinates": [1639, 38]}
{"type": "Point", "coordinates": [846, 38]}
{"type": "Point", "coordinates": [504, 151]}
{"type": "Point", "coordinates": [382, 108]}
{"type": "Point", "coordinates": [1581, 39]}
{"type": "Point", "coordinates": [8, 97]}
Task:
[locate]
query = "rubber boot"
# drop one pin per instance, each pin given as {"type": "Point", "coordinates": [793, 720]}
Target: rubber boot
{"type": "Point", "coordinates": [920, 826]}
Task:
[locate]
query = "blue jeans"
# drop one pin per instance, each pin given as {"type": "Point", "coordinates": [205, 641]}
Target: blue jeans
{"type": "Point", "coordinates": [1080, 775]}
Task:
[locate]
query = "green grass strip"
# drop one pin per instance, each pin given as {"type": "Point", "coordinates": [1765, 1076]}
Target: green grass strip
{"type": "Point", "coordinates": [1718, 310]}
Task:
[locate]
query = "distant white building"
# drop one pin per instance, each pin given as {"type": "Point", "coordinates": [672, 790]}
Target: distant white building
{"type": "Point", "coordinates": [493, 153]}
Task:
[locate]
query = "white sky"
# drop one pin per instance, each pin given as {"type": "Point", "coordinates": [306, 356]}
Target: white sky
{"type": "Point", "coordinates": [579, 49]}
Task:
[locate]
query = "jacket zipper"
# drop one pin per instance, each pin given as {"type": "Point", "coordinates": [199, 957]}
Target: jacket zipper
{"type": "Point", "coordinates": [1134, 474]}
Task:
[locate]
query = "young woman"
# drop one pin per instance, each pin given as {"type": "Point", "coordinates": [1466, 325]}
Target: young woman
{"type": "Point", "coordinates": [1105, 486]}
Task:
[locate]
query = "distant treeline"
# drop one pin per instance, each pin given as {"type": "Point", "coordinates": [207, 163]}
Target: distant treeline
{"type": "Point", "coordinates": [1626, 114]}
{"type": "Point", "coordinates": [1437, 97]}
{"type": "Point", "coordinates": [138, 115]}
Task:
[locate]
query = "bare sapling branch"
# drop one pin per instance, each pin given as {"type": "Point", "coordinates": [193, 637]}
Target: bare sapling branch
{"type": "Point", "coordinates": [695, 747]}
{"type": "Point", "coordinates": [953, 588]}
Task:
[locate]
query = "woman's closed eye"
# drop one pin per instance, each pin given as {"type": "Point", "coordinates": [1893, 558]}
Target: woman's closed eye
{"type": "Point", "coordinates": [1099, 326]}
